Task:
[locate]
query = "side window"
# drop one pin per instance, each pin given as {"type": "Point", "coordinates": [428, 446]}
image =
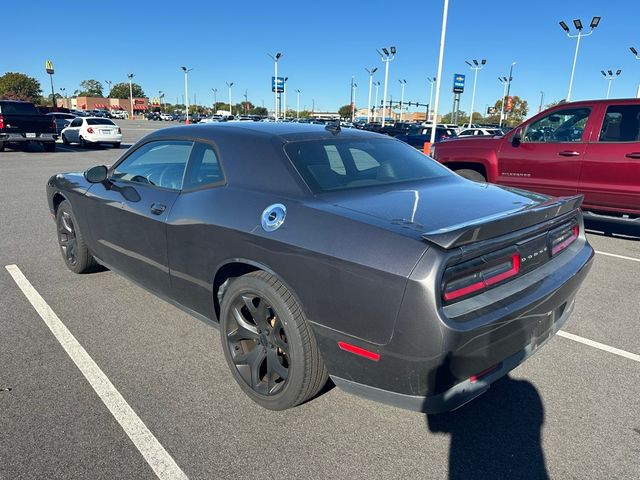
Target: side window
{"type": "Point", "coordinates": [621, 124]}
{"type": "Point", "coordinates": [204, 167]}
{"type": "Point", "coordinates": [559, 126]}
{"type": "Point", "coordinates": [362, 160]}
{"type": "Point", "coordinates": [76, 123]}
{"type": "Point", "coordinates": [159, 163]}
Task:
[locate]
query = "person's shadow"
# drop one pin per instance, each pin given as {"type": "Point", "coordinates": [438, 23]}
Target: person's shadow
{"type": "Point", "coordinates": [497, 435]}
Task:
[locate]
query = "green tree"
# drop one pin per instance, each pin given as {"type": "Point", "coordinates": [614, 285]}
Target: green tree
{"type": "Point", "coordinates": [263, 112]}
{"type": "Point", "coordinates": [89, 88]}
{"type": "Point", "coordinates": [121, 90]}
{"type": "Point", "coordinates": [345, 111]}
{"type": "Point", "coordinates": [18, 86]}
{"type": "Point", "coordinates": [518, 111]}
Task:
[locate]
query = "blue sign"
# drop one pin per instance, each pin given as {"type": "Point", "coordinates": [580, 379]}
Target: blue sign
{"type": "Point", "coordinates": [458, 83]}
{"type": "Point", "coordinates": [280, 84]}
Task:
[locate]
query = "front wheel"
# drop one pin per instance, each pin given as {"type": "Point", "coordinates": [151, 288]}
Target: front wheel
{"type": "Point", "coordinates": [64, 139]}
{"type": "Point", "coordinates": [471, 175]}
{"type": "Point", "coordinates": [268, 344]}
{"type": "Point", "coordinates": [74, 250]}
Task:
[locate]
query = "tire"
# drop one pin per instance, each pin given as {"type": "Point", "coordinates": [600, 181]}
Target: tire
{"type": "Point", "coordinates": [471, 175]}
{"type": "Point", "coordinates": [49, 146]}
{"type": "Point", "coordinates": [83, 143]}
{"type": "Point", "coordinates": [74, 250]}
{"type": "Point", "coordinates": [1, 146]}
{"type": "Point", "coordinates": [116, 145]}
{"type": "Point", "coordinates": [64, 140]}
{"type": "Point", "coordinates": [274, 357]}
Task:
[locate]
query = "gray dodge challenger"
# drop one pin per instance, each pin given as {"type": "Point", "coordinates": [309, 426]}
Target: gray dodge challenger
{"type": "Point", "coordinates": [325, 252]}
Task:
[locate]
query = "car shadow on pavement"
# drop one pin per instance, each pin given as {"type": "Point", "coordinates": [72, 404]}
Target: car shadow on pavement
{"type": "Point", "coordinates": [497, 435]}
{"type": "Point", "coordinates": [608, 229]}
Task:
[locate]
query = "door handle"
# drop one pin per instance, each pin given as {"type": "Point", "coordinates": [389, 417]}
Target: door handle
{"type": "Point", "coordinates": [158, 208]}
{"type": "Point", "coordinates": [569, 153]}
{"type": "Point", "coordinates": [633, 155]}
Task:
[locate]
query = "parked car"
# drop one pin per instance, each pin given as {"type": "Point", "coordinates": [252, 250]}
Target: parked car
{"type": "Point", "coordinates": [22, 123]}
{"type": "Point", "coordinates": [155, 116]}
{"type": "Point", "coordinates": [480, 131]}
{"type": "Point", "coordinates": [62, 120]}
{"type": "Point", "coordinates": [121, 114]}
{"type": "Point", "coordinates": [418, 136]}
{"type": "Point", "coordinates": [367, 261]}
{"type": "Point", "coordinates": [166, 117]}
{"type": "Point", "coordinates": [590, 148]}
{"type": "Point", "coordinates": [91, 131]}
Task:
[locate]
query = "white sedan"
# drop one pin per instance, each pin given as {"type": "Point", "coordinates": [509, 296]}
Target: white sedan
{"type": "Point", "coordinates": [480, 131]}
{"type": "Point", "coordinates": [92, 131]}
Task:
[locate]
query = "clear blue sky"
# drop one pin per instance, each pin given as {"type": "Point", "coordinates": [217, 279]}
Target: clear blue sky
{"type": "Point", "coordinates": [324, 43]}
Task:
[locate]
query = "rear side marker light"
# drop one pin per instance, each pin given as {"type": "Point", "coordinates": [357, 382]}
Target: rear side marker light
{"type": "Point", "coordinates": [565, 239]}
{"type": "Point", "coordinates": [347, 347]}
{"type": "Point", "coordinates": [485, 278]}
{"type": "Point", "coordinates": [484, 373]}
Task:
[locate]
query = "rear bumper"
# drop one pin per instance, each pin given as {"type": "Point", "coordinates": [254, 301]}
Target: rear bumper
{"type": "Point", "coordinates": [22, 138]}
{"type": "Point", "coordinates": [104, 139]}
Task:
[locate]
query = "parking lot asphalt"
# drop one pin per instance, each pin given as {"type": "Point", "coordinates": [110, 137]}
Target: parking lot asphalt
{"type": "Point", "coordinates": [571, 411]}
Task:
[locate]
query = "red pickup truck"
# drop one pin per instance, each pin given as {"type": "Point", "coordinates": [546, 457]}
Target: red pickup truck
{"type": "Point", "coordinates": [587, 147]}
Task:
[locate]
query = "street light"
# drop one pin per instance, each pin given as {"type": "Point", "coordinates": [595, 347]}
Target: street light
{"type": "Point", "coordinates": [186, 93]}
{"type": "Point", "coordinates": [130, 77]}
{"type": "Point", "coordinates": [577, 23]}
{"type": "Point", "coordinates": [637, 57]}
{"type": "Point", "coordinates": [215, 100]}
{"type": "Point", "coordinates": [284, 95]}
{"type": "Point", "coordinates": [386, 57]}
{"type": "Point", "coordinates": [109, 82]}
{"type": "Point", "coordinates": [475, 66]}
{"type": "Point", "coordinates": [506, 81]}
{"type": "Point", "coordinates": [370, 72]}
{"type": "Point", "coordinates": [275, 58]}
{"type": "Point", "coordinates": [230, 84]}
{"type": "Point", "coordinates": [64, 95]}
{"type": "Point", "coordinates": [443, 32]}
{"type": "Point", "coordinates": [298, 103]}
{"type": "Point", "coordinates": [375, 105]}
{"type": "Point", "coordinates": [161, 97]}
{"type": "Point", "coordinates": [610, 76]}
{"type": "Point", "coordinates": [403, 83]}
{"type": "Point", "coordinates": [431, 81]}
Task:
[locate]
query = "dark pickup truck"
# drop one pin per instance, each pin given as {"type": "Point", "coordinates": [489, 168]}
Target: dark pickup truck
{"type": "Point", "coordinates": [21, 123]}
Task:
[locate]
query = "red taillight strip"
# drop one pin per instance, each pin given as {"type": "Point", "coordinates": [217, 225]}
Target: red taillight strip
{"type": "Point", "coordinates": [484, 373]}
{"type": "Point", "coordinates": [512, 272]}
{"type": "Point", "coordinates": [575, 230]}
{"type": "Point", "coordinates": [359, 351]}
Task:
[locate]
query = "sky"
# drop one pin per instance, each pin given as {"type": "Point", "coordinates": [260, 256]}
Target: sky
{"type": "Point", "coordinates": [325, 43]}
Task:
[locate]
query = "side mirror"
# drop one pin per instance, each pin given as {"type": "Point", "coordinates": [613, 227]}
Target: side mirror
{"type": "Point", "coordinates": [97, 174]}
{"type": "Point", "coordinates": [516, 140]}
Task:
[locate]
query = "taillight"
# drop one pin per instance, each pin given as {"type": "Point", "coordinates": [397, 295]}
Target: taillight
{"type": "Point", "coordinates": [54, 126]}
{"type": "Point", "coordinates": [90, 130]}
{"type": "Point", "coordinates": [561, 238]}
{"type": "Point", "coordinates": [1, 122]}
{"type": "Point", "coordinates": [479, 274]}
{"type": "Point", "coordinates": [119, 130]}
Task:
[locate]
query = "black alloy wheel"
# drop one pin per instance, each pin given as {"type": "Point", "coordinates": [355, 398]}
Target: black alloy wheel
{"type": "Point", "coordinates": [267, 343]}
{"type": "Point", "coordinates": [258, 344]}
{"type": "Point", "coordinates": [74, 251]}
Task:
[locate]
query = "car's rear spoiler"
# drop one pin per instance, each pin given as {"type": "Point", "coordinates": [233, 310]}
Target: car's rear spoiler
{"type": "Point", "coordinates": [494, 226]}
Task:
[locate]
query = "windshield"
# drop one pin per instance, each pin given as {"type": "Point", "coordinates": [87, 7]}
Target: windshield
{"type": "Point", "coordinates": [99, 121]}
{"type": "Point", "coordinates": [327, 165]}
{"type": "Point", "coordinates": [18, 108]}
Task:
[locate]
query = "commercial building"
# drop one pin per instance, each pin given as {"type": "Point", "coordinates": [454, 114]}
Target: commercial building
{"type": "Point", "coordinates": [140, 105]}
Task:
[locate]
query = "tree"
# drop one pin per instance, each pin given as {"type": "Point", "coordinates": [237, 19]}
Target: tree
{"type": "Point", "coordinates": [89, 88]}
{"type": "Point", "coordinates": [261, 111]}
{"type": "Point", "coordinates": [518, 111]}
{"type": "Point", "coordinates": [18, 86]}
{"type": "Point", "coordinates": [345, 111]}
{"type": "Point", "coordinates": [121, 90]}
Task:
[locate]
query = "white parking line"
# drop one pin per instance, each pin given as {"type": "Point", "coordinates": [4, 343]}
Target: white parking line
{"type": "Point", "coordinates": [600, 346]}
{"type": "Point", "coordinates": [618, 256]}
{"type": "Point", "coordinates": [153, 452]}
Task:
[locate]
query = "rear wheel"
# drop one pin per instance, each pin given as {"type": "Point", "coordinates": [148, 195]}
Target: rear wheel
{"type": "Point", "coordinates": [471, 175]}
{"type": "Point", "coordinates": [268, 344]}
{"type": "Point", "coordinates": [83, 143]}
{"type": "Point", "coordinates": [74, 250]}
{"type": "Point", "coordinates": [49, 146]}
{"type": "Point", "coordinates": [1, 146]}
{"type": "Point", "coordinates": [116, 145]}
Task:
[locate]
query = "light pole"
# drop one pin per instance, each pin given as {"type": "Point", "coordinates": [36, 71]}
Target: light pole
{"type": "Point", "coordinates": [130, 77]}
{"type": "Point", "coordinates": [386, 57]}
{"type": "Point", "coordinates": [637, 57]}
{"type": "Point", "coordinates": [431, 81]}
{"type": "Point", "coordinates": [504, 81]}
{"type": "Point", "coordinates": [64, 96]}
{"type": "Point", "coordinates": [610, 76]}
{"type": "Point", "coordinates": [375, 105]}
{"type": "Point", "coordinates": [246, 102]}
{"type": "Point", "coordinates": [275, 58]}
{"type": "Point", "coordinates": [230, 84]}
{"type": "Point", "coordinates": [439, 74]}
{"type": "Point", "coordinates": [215, 100]}
{"type": "Point", "coordinates": [541, 101]}
{"type": "Point", "coordinates": [109, 82]}
{"type": "Point", "coordinates": [370, 72]}
{"type": "Point", "coordinates": [186, 93]}
{"type": "Point", "coordinates": [353, 99]}
{"type": "Point", "coordinates": [577, 23]}
{"type": "Point", "coordinates": [403, 83]}
{"type": "Point", "coordinates": [284, 94]}
{"type": "Point", "coordinates": [475, 67]}
{"type": "Point", "coordinates": [161, 97]}
{"type": "Point", "coordinates": [298, 104]}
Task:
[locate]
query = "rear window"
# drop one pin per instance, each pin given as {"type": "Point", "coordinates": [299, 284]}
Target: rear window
{"type": "Point", "coordinates": [327, 165]}
{"type": "Point", "coordinates": [621, 124]}
{"type": "Point", "coordinates": [17, 108]}
{"type": "Point", "coordinates": [99, 121]}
